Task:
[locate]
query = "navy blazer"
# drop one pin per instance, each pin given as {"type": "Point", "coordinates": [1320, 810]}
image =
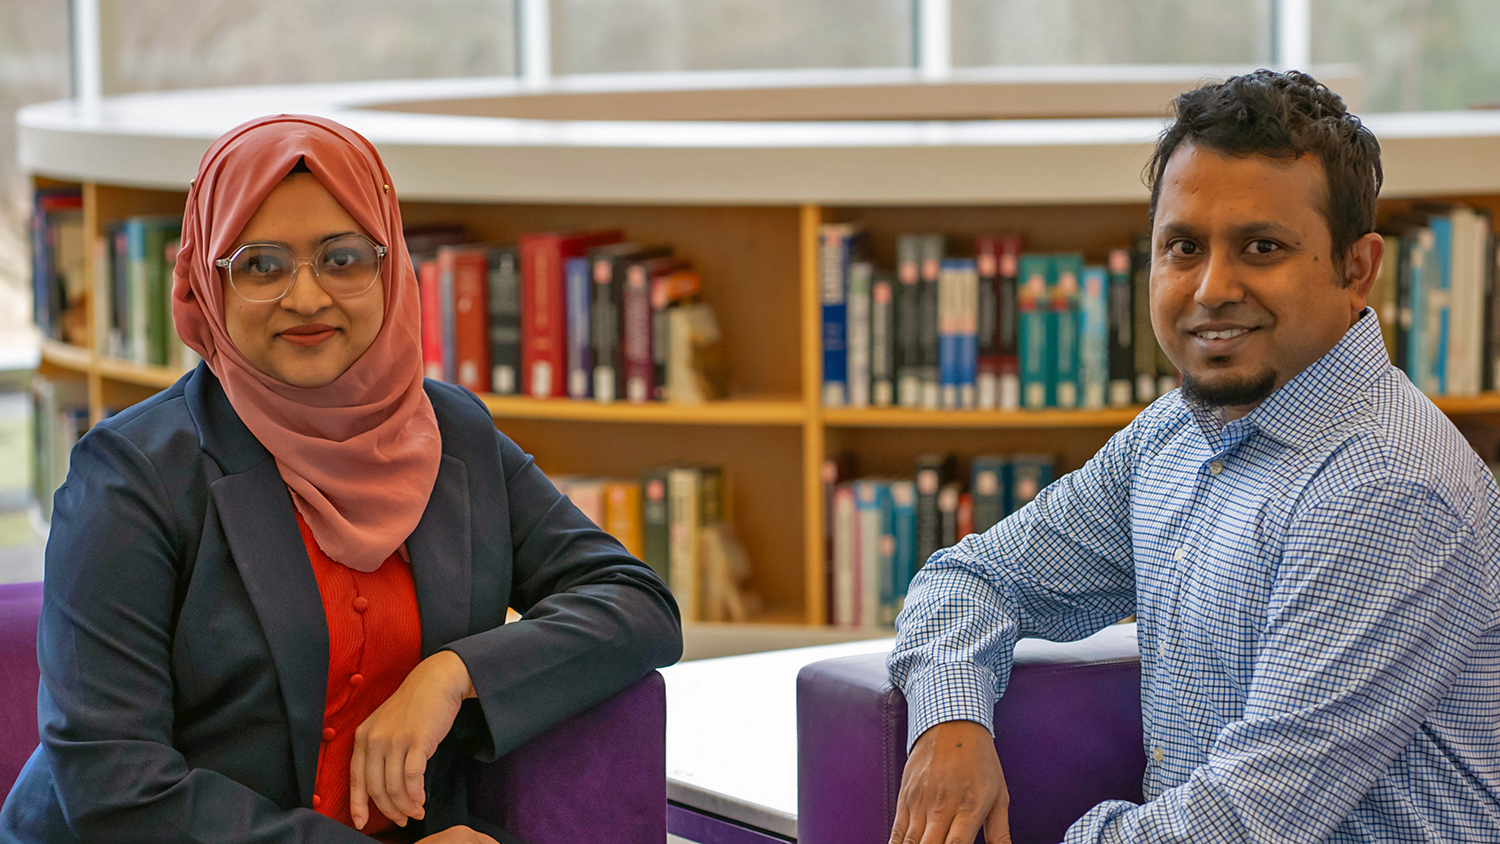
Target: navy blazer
{"type": "Point", "coordinates": [184, 650]}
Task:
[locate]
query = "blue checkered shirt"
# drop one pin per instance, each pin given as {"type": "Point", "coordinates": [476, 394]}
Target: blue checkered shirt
{"type": "Point", "coordinates": [1316, 588]}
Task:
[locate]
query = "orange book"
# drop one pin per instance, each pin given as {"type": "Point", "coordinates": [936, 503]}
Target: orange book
{"type": "Point", "coordinates": [622, 516]}
{"type": "Point", "coordinates": [471, 320]}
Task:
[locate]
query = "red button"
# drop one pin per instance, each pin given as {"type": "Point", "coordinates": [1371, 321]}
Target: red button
{"type": "Point", "coordinates": [361, 603]}
{"type": "Point", "coordinates": [317, 801]}
{"type": "Point", "coordinates": [356, 679]}
{"type": "Point", "coordinates": [329, 733]}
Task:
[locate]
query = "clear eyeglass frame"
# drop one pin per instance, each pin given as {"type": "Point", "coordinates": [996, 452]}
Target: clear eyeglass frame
{"type": "Point", "coordinates": [227, 265]}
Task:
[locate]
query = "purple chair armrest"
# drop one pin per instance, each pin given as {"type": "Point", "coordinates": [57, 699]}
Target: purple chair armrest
{"type": "Point", "coordinates": [20, 605]}
{"type": "Point", "coordinates": [1068, 734]}
{"type": "Point", "coordinates": [599, 776]}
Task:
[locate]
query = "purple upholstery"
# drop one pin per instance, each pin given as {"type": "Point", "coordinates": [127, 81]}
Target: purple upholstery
{"type": "Point", "coordinates": [599, 776]}
{"type": "Point", "coordinates": [20, 603]}
{"type": "Point", "coordinates": [1068, 735]}
{"type": "Point", "coordinates": [710, 829]}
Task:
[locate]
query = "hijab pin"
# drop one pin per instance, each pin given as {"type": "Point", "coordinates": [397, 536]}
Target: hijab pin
{"type": "Point", "coordinates": [387, 188]}
{"type": "Point", "coordinates": [192, 182]}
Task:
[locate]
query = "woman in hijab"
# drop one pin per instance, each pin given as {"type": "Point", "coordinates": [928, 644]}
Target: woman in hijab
{"type": "Point", "coordinates": [276, 592]}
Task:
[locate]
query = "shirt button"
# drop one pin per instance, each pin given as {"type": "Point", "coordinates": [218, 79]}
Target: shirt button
{"type": "Point", "coordinates": [361, 603]}
{"type": "Point", "coordinates": [317, 801]}
{"type": "Point", "coordinates": [1180, 554]}
{"type": "Point", "coordinates": [1216, 467]}
{"type": "Point", "coordinates": [329, 733]}
{"type": "Point", "coordinates": [1158, 754]}
{"type": "Point", "coordinates": [356, 679]}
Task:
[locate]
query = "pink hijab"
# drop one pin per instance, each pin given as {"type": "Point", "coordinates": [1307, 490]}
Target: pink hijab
{"type": "Point", "coordinates": [361, 454]}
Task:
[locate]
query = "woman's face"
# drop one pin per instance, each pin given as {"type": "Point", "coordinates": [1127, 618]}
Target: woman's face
{"type": "Point", "coordinates": [307, 338]}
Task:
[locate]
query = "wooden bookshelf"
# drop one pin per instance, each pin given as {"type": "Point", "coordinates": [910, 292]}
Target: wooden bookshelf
{"type": "Point", "coordinates": [743, 201]}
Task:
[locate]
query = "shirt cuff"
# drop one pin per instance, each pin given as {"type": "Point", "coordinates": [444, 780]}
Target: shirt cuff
{"type": "Point", "coordinates": [953, 691]}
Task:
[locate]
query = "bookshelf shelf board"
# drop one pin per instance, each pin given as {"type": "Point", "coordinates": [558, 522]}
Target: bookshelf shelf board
{"type": "Point", "coordinates": [67, 356]}
{"type": "Point", "coordinates": [1015, 419]}
{"type": "Point", "coordinates": [160, 377]}
{"type": "Point", "coordinates": [1483, 404]}
{"type": "Point", "coordinates": [731, 412]}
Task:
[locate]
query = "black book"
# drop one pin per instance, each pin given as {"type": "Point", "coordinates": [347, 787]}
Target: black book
{"type": "Point", "coordinates": [654, 524]}
{"type": "Point", "coordinates": [1490, 348]}
{"type": "Point", "coordinates": [607, 268]}
{"type": "Point", "coordinates": [907, 306]}
{"type": "Point", "coordinates": [948, 513]}
{"type": "Point", "coordinates": [505, 319]}
{"type": "Point", "coordinates": [1121, 313]}
{"type": "Point", "coordinates": [933, 472]}
{"type": "Point", "coordinates": [1144, 335]}
{"type": "Point", "coordinates": [927, 316]}
{"type": "Point", "coordinates": [883, 339]}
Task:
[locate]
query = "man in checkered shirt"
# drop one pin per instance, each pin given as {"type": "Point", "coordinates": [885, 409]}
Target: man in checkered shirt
{"type": "Point", "coordinates": [1309, 545]}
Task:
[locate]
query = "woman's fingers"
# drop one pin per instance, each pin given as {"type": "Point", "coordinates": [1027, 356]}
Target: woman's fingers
{"type": "Point", "coordinates": [376, 765]}
{"type": "Point", "coordinates": [359, 806]}
{"type": "Point", "coordinates": [416, 791]}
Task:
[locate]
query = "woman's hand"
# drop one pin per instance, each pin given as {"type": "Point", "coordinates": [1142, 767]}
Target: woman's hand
{"type": "Point", "coordinates": [457, 835]}
{"type": "Point", "coordinates": [392, 746]}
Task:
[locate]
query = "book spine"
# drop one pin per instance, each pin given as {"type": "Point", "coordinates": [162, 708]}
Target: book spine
{"type": "Point", "coordinates": [867, 515]}
{"type": "Point", "coordinates": [968, 336]}
{"type": "Point", "coordinates": [41, 277]}
{"type": "Point", "coordinates": [1402, 356]}
{"type": "Point", "coordinates": [965, 514]}
{"type": "Point", "coordinates": [604, 328]}
{"type": "Point", "coordinates": [1439, 303]}
{"type": "Point", "coordinates": [987, 328]}
{"type": "Point", "coordinates": [158, 283]}
{"type": "Point", "coordinates": [885, 557]}
{"type": "Point", "coordinates": [543, 338]}
{"type": "Point", "coordinates": [927, 316]}
{"type": "Point", "coordinates": [1030, 474]}
{"type": "Point", "coordinates": [430, 291]}
{"type": "Point", "coordinates": [845, 589]}
{"type": "Point", "coordinates": [929, 481]}
{"type": "Point", "coordinates": [1417, 349]}
{"type": "Point", "coordinates": [135, 234]}
{"type": "Point", "coordinates": [857, 334]}
{"type": "Point", "coordinates": [505, 321]}
{"type": "Point", "coordinates": [1093, 355]}
{"type": "Point", "coordinates": [446, 304]}
{"type": "Point", "coordinates": [684, 500]}
{"type": "Point", "coordinates": [1031, 304]}
{"type": "Point", "coordinates": [655, 524]}
{"type": "Point", "coordinates": [833, 258]}
{"type": "Point", "coordinates": [986, 475]}
{"type": "Point", "coordinates": [578, 289]}
{"type": "Point", "coordinates": [622, 516]}
{"type": "Point", "coordinates": [1008, 322]}
{"type": "Point", "coordinates": [883, 341]}
{"type": "Point", "coordinates": [1145, 336]}
{"type": "Point", "coordinates": [908, 321]}
{"type": "Point", "coordinates": [1067, 319]}
{"type": "Point", "coordinates": [1121, 321]}
{"type": "Point", "coordinates": [471, 320]}
{"type": "Point", "coordinates": [904, 532]}
{"type": "Point", "coordinates": [119, 271]}
{"type": "Point", "coordinates": [948, 497]}
{"type": "Point", "coordinates": [640, 370]}
{"type": "Point", "coordinates": [948, 339]}
{"type": "Point", "coordinates": [1492, 332]}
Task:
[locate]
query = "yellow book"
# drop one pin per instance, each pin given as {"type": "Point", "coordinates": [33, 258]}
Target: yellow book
{"type": "Point", "coordinates": [622, 516]}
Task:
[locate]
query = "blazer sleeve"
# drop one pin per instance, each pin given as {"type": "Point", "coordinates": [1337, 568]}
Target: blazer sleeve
{"type": "Point", "coordinates": [104, 642]}
{"type": "Point", "coordinates": [594, 618]}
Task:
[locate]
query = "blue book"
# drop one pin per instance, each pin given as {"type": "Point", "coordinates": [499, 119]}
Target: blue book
{"type": "Point", "coordinates": [1032, 307]}
{"type": "Point", "coordinates": [1419, 254]}
{"type": "Point", "coordinates": [1066, 279]}
{"type": "Point", "coordinates": [885, 556]}
{"type": "Point", "coordinates": [966, 330]}
{"type": "Point", "coordinates": [948, 314]}
{"type": "Point", "coordinates": [1439, 297]}
{"type": "Point", "coordinates": [903, 539]}
{"type": "Point", "coordinates": [835, 242]}
{"type": "Point", "coordinates": [1030, 474]}
{"type": "Point", "coordinates": [1093, 345]}
{"type": "Point", "coordinates": [579, 296]}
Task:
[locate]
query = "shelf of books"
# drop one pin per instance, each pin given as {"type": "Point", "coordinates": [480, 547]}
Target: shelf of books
{"type": "Point", "coordinates": [783, 408]}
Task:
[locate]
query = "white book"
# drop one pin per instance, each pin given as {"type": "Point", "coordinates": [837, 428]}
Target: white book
{"type": "Point", "coordinates": [682, 540]}
{"type": "Point", "coordinates": [845, 537]}
{"type": "Point", "coordinates": [857, 334]}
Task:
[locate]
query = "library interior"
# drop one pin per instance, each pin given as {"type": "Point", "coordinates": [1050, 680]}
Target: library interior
{"type": "Point", "coordinates": [739, 389]}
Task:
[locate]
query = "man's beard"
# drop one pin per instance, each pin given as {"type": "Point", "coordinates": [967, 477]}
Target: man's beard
{"type": "Point", "coordinates": [1229, 392]}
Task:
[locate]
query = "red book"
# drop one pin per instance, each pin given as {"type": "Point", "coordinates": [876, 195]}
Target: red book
{"type": "Point", "coordinates": [544, 348]}
{"type": "Point", "coordinates": [965, 515]}
{"type": "Point", "coordinates": [430, 290]}
{"type": "Point", "coordinates": [638, 327]}
{"type": "Point", "coordinates": [471, 314]}
{"type": "Point", "coordinates": [996, 257]}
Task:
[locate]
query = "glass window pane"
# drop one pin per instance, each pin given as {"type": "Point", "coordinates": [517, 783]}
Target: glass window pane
{"type": "Point", "coordinates": [603, 36]}
{"type": "Point", "coordinates": [1415, 55]}
{"type": "Point", "coordinates": [1057, 32]}
{"type": "Point", "coordinates": [161, 44]}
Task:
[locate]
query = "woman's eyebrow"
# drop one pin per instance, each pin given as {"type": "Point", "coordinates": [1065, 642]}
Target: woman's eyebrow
{"type": "Point", "coordinates": [322, 240]}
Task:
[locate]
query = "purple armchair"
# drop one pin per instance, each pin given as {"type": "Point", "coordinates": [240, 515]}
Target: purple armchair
{"type": "Point", "coordinates": [1068, 731]}
{"type": "Point", "coordinates": [599, 776]}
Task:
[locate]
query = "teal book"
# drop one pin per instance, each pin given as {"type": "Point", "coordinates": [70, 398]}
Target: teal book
{"type": "Point", "coordinates": [904, 539]}
{"type": "Point", "coordinates": [1065, 326]}
{"type": "Point", "coordinates": [1033, 309]}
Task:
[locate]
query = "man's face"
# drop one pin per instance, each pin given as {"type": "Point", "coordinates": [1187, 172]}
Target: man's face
{"type": "Point", "coordinates": [1244, 291]}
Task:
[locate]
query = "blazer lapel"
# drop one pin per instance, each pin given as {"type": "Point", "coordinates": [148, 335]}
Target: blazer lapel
{"type": "Point", "coordinates": [440, 550]}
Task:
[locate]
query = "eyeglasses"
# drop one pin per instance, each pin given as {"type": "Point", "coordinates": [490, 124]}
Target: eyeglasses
{"type": "Point", "coordinates": [265, 272]}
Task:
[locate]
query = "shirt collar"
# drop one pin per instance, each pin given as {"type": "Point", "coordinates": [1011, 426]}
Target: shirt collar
{"type": "Point", "coordinates": [1300, 411]}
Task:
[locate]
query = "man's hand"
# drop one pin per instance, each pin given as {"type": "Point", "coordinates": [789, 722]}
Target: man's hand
{"type": "Point", "coordinates": [392, 746]}
{"type": "Point", "coordinates": [457, 835]}
{"type": "Point", "coordinates": [951, 786]}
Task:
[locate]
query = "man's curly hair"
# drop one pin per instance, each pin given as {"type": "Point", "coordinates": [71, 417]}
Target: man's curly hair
{"type": "Point", "coordinates": [1285, 116]}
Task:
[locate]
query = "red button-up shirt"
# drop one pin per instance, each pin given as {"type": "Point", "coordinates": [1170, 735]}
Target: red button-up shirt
{"type": "Point", "coordinates": [374, 641]}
